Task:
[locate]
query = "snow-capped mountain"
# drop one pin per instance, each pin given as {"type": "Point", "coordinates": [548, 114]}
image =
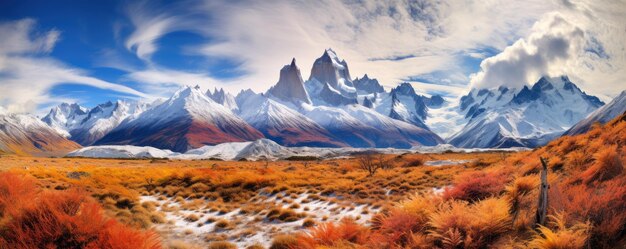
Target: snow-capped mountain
{"type": "Point", "coordinates": [243, 95]}
{"type": "Point", "coordinates": [365, 85]}
{"type": "Point", "coordinates": [290, 86]}
{"type": "Point", "coordinates": [189, 119]}
{"type": "Point", "coordinates": [283, 124]}
{"type": "Point", "coordinates": [65, 116]}
{"type": "Point", "coordinates": [86, 126]}
{"type": "Point", "coordinates": [404, 104]}
{"type": "Point", "coordinates": [224, 98]}
{"type": "Point", "coordinates": [330, 83]}
{"type": "Point", "coordinates": [530, 117]}
{"type": "Point", "coordinates": [360, 126]}
{"type": "Point", "coordinates": [27, 135]}
{"type": "Point", "coordinates": [604, 114]}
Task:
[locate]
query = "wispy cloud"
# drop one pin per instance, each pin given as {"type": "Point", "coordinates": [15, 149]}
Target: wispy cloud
{"type": "Point", "coordinates": [390, 40]}
{"type": "Point", "coordinates": [27, 73]}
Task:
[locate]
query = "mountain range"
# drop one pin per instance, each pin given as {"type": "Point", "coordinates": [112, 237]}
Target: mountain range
{"type": "Point", "coordinates": [330, 109]}
{"type": "Point", "coordinates": [528, 117]}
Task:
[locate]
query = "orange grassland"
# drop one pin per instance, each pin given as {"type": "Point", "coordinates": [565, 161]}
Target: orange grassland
{"type": "Point", "coordinates": [490, 201]}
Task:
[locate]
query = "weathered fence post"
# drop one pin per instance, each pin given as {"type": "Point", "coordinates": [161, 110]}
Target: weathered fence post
{"type": "Point", "coordinates": [542, 207]}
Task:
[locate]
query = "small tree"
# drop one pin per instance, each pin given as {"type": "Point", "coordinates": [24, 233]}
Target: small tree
{"type": "Point", "coordinates": [382, 163]}
{"type": "Point", "coordinates": [371, 163]}
{"type": "Point", "coordinates": [366, 162]}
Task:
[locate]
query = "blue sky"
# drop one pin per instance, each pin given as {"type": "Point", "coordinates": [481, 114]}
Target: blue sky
{"type": "Point", "coordinates": [93, 51]}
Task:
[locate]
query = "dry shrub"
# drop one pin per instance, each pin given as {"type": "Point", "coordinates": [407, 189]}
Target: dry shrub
{"type": "Point", "coordinates": [409, 217]}
{"type": "Point", "coordinates": [555, 163]}
{"type": "Point", "coordinates": [557, 235]}
{"type": "Point", "coordinates": [284, 241]}
{"type": "Point", "coordinates": [192, 218]}
{"type": "Point", "coordinates": [415, 162]}
{"type": "Point", "coordinates": [575, 161]}
{"type": "Point", "coordinates": [419, 241]}
{"type": "Point", "coordinates": [308, 222]}
{"type": "Point", "coordinates": [523, 185]}
{"type": "Point", "coordinates": [476, 185]}
{"type": "Point", "coordinates": [521, 195]}
{"type": "Point", "coordinates": [603, 205]}
{"type": "Point", "coordinates": [475, 225]}
{"type": "Point", "coordinates": [223, 224]}
{"type": "Point", "coordinates": [157, 218]}
{"type": "Point", "coordinates": [222, 245]}
{"type": "Point", "coordinates": [61, 219]}
{"type": "Point", "coordinates": [285, 215]}
{"type": "Point", "coordinates": [608, 164]}
{"type": "Point", "coordinates": [397, 227]}
{"type": "Point", "coordinates": [255, 246]}
{"type": "Point", "coordinates": [15, 191]}
{"type": "Point", "coordinates": [177, 244]}
{"type": "Point", "coordinates": [331, 234]}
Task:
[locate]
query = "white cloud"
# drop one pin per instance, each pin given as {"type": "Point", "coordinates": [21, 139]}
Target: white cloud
{"type": "Point", "coordinates": [265, 35]}
{"type": "Point", "coordinates": [162, 81]}
{"type": "Point", "coordinates": [552, 44]}
{"type": "Point", "coordinates": [27, 74]}
{"type": "Point", "coordinates": [17, 40]}
{"type": "Point", "coordinates": [584, 40]}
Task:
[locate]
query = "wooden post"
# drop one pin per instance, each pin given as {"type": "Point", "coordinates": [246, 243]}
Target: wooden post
{"type": "Point", "coordinates": [542, 207]}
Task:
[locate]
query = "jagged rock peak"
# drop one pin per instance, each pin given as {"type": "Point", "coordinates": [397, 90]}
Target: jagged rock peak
{"type": "Point", "coordinates": [368, 85]}
{"type": "Point", "coordinates": [330, 69]}
{"type": "Point", "coordinates": [290, 86]}
{"type": "Point", "coordinates": [224, 98]}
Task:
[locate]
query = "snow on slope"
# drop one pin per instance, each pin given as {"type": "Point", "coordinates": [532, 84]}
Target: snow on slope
{"type": "Point", "coordinates": [604, 114]}
{"type": "Point", "coordinates": [187, 120]}
{"type": "Point", "coordinates": [360, 126]}
{"type": "Point", "coordinates": [262, 149]}
{"type": "Point", "coordinates": [65, 117]}
{"type": "Point", "coordinates": [86, 126]}
{"type": "Point", "coordinates": [122, 151]}
{"type": "Point", "coordinates": [27, 135]}
{"type": "Point", "coordinates": [330, 82]}
{"type": "Point", "coordinates": [224, 98]}
{"type": "Point", "coordinates": [527, 118]}
{"type": "Point", "coordinates": [224, 151]}
{"type": "Point", "coordinates": [389, 125]}
{"type": "Point", "coordinates": [446, 119]}
{"type": "Point", "coordinates": [284, 125]}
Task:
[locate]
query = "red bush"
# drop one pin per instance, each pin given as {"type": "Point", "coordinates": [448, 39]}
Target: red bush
{"type": "Point", "coordinates": [330, 234]}
{"type": "Point", "coordinates": [604, 205]}
{"type": "Point", "coordinates": [398, 227]}
{"type": "Point", "coordinates": [607, 165]}
{"type": "Point", "coordinates": [476, 186]}
{"type": "Point", "coordinates": [60, 219]}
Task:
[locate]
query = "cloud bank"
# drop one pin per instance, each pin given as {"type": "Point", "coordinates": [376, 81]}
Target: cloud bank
{"type": "Point", "coordinates": [552, 44]}
{"type": "Point", "coordinates": [584, 40]}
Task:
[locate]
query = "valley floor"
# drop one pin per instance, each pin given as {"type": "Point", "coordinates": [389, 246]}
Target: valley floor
{"type": "Point", "coordinates": [199, 202]}
{"type": "Point", "coordinates": [448, 200]}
